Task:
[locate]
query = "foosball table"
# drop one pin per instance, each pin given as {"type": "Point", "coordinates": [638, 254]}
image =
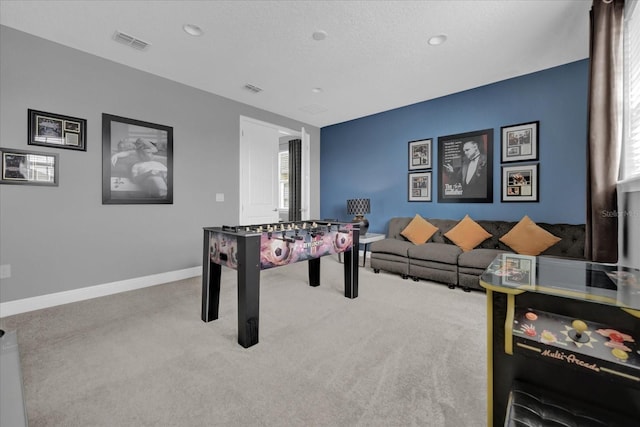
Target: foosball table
{"type": "Point", "coordinates": [250, 249]}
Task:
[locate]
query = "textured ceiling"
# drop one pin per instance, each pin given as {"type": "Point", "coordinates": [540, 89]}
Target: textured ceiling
{"type": "Point", "coordinates": [375, 56]}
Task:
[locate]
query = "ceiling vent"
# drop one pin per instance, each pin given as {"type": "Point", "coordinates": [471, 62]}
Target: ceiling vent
{"type": "Point", "coordinates": [130, 41]}
{"type": "Point", "coordinates": [252, 88]}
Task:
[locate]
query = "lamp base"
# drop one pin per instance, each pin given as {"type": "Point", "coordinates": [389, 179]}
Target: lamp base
{"type": "Point", "coordinates": [363, 223]}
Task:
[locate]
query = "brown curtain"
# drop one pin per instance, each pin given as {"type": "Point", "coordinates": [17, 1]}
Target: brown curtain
{"type": "Point", "coordinates": [295, 180]}
{"type": "Point", "coordinates": [605, 129]}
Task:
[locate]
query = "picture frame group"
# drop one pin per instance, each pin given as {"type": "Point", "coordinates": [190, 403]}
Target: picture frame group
{"type": "Point", "coordinates": [24, 167]}
{"type": "Point", "coordinates": [57, 130]}
{"type": "Point", "coordinates": [137, 161]}
{"type": "Point", "coordinates": [519, 143]}
{"type": "Point", "coordinates": [420, 183]}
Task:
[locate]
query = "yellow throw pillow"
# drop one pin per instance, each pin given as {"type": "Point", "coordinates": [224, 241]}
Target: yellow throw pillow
{"type": "Point", "coordinates": [528, 238]}
{"type": "Point", "coordinates": [467, 234]}
{"type": "Point", "coordinates": [419, 230]}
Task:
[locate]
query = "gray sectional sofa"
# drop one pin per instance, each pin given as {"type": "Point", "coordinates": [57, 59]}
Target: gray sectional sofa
{"type": "Point", "coordinates": [441, 260]}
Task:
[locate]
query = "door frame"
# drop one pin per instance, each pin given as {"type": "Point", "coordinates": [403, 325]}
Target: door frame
{"type": "Point", "coordinates": [306, 164]}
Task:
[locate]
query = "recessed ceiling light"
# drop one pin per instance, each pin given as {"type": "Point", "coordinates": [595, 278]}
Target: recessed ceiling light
{"type": "Point", "coordinates": [319, 35]}
{"type": "Point", "coordinates": [437, 40]}
{"type": "Point", "coordinates": [192, 30]}
{"type": "Point", "coordinates": [316, 90]}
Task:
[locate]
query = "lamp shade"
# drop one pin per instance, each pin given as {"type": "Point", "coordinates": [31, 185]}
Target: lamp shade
{"type": "Point", "coordinates": [358, 206]}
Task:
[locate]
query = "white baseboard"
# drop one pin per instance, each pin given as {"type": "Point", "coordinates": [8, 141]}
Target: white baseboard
{"type": "Point", "coordinates": [50, 300]}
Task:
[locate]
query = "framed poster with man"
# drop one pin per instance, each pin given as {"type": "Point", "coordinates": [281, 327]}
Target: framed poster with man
{"type": "Point", "coordinates": [465, 166]}
{"type": "Point", "coordinates": [137, 161]}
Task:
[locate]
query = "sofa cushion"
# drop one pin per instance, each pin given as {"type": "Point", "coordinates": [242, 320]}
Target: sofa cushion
{"type": "Point", "coordinates": [439, 252]}
{"type": "Point", "coordinates": [478, 258]}
{"type": "Point", "coordinates": [391, 246]}
{"type": "Point", "coordinates": [467, 234]}
{"type": "Point", "coordinates": [419, 230]}
{"type": "Point", "coordinates": [527, 238]}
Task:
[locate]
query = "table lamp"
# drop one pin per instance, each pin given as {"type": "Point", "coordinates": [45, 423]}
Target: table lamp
{"type": "Point", "coordinates": [359, 207]}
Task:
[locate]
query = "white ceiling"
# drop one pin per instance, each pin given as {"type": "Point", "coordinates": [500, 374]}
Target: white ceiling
{"type": "Point", "coordinates": [375, 56]}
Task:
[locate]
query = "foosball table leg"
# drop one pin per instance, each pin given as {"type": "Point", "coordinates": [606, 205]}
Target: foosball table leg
{"type": "Point", "coordinates": [248, 291]}
{"type": "Point", "coordinates": [211, 292]}
{"type": "Point", "coordinates": [314, 272]}
{"type": "Point", "coordinates": [351, 274]}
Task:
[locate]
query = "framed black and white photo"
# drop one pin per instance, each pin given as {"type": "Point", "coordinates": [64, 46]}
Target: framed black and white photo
{"type": "Point", "coordinates": [520, 142]}
{"type": "Point", "coordinates": [56, 130]}
{"type": "Point", "coordinates": [137, 161]}
{"type": "Point", "coordinates": [518, 270]}
{"type": "Point", "coordinates": [520, 183]}
{"type": "Point", "coordinates": [420, 154]}
{"type": "Point", "coordinates": [465, 167]}
{"type": "Point", "coordinates": [28, 167]}
{"type": "Point", "coordinates": [420, 186]}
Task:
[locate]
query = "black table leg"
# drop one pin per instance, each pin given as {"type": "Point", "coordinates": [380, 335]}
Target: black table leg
{"type": "Point", "coordinates": [210, 284]}
{"type": "Point", "coordinates": [248, 290]}
{"type": "Point", "coordinates": [211, 293]}
{"type": "Point", "coordinates": [351, 268]}
{"type": "Point", "coordinates": [314, 272]}
{"type": "Point", "coordinates": [364, 254]}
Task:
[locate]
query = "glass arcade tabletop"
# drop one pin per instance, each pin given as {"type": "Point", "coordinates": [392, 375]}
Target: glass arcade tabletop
{"type": "Point", "coordinates": [610, 284]}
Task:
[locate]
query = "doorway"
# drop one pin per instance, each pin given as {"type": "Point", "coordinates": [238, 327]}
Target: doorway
{"type": "Point", "coordinates": [260, 189]}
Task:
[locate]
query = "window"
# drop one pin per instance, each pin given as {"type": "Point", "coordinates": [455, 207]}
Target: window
{"type": "Point", "coordinates": [631, 139]}
{"type": "Point", "coordinates": [283, 178]}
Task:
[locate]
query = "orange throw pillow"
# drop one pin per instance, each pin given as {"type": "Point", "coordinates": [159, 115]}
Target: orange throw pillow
{"type": "Point", "coordinates": [528, 238]}
{"type": "Point", "coordinates": [419, 230]}
{"type": "Point", "coordinates": [467, 234]}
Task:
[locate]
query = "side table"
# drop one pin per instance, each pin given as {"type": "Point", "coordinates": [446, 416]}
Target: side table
{"type": "Point", "coordinates": [366, 240]}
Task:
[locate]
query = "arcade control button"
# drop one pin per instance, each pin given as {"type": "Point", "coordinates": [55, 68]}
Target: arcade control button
{"type": "Point", "coordinates": [619, 354]}
{"type": "Point", "coordinates": [531, 316]}
{"type": "Point", "coordinates": [614, 336]}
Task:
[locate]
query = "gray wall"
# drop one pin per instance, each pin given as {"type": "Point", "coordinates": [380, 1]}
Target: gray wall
{"type": "Point", "coordinates": [63, 238]}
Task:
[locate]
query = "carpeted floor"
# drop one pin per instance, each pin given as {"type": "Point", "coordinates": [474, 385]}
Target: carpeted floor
{"type": "Point", "coordinates": [403, 353]}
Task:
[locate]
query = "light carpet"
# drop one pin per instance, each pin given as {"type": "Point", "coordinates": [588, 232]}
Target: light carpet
{"type": "Point", "coordinates": [403, 353]}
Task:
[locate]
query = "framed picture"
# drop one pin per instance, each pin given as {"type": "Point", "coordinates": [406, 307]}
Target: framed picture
{"type": "Point", "coordinates": [518, 271]}
{"type": "Point", "coordinates": [137, 162]}
{"type": "Point", "coordinates": [420, 186]}
{"type": "Point", "coordinates": [465, 166]}
{"type": "Point", "coordinates": [520, 142]}
{"type": "Point", "coordinates": [28, 167]}
{"type": "Point", "coordinates": [420, 154]}
{"type": "Point", "coordinates": [55, 130]}
{"type": "Point", "coordinates": [520, 183]}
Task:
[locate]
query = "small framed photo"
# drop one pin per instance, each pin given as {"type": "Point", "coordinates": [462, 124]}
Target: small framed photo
{"type": "Point", "coordinates": [520, 183]}
{"type": "Point", "coordinates": [518, 271]}
{"type": "Point", "coordinates": [28, 167]}
{"type": "Point", "coordinates": [420, 186]}
{"type": "Point", "coordinates": [55, 130]}
{"type": "Point", "coordinates": [137, 162]}
{"type": "Point", "coordinates": [420, 154]}
{"type": "Point", "coordinates": [520, 142]}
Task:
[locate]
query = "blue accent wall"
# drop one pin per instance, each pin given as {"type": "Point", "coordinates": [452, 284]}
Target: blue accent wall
{"type": "Point", "coordinates": [368, 157]}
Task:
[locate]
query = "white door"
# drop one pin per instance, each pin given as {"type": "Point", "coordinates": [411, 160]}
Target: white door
{"type": "Point", "coordinates": [258, 172]}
